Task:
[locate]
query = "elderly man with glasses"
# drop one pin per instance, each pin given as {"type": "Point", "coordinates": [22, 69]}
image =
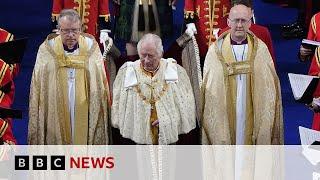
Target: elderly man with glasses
{"type": "Point", "coordinates": [94, 14]}
{"type": "Point", "coordinates": [240, 90]}
{"type": "Point", "coordinates": [69, 95]}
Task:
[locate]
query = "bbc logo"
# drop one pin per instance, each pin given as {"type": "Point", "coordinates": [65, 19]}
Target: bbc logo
{"type": "Point", "coordinates": [39, 163]}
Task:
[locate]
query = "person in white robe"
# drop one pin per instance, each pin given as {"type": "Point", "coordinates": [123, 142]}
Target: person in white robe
{"type": "Point", "coordinates": [69, 93]}
{"type": "Point", "coordinates": [242, 105]}
{"type": "Point", "coordinates": [240, 90]}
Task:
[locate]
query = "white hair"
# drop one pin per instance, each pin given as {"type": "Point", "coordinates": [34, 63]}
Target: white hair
{"type": "Point", "coordinates": [151, 38]}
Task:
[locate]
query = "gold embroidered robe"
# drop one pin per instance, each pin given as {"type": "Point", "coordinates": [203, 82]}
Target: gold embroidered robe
{"type": "Point", "coordinates": [264, 122]}
{"type": "Point", "coordinates": [174, 104]}
{"type": "Point", "coordinates": [49, 116]}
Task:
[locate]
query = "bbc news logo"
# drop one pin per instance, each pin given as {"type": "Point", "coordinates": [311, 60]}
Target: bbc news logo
{"type": "Point", "coordinates": [59, 162]}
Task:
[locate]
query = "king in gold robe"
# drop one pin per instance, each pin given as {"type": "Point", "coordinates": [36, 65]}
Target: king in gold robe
{"type": "Point", "coordinates": [68, 94]}
{"type": "Point", "coordinates": [141, 97]}
{"type": "Point", "coordinates": [261, 107]}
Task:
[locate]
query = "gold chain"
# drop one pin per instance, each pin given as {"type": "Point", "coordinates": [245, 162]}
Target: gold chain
{"type": "Point", "coordinates": [152, 100]}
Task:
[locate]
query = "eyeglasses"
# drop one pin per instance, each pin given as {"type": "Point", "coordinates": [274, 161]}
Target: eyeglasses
{"type": "Point", "coordinates": [242, 21]}
{"type": "Point", "coordinates": [72, 31]}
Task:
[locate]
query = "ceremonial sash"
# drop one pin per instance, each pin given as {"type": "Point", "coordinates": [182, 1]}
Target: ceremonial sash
{"type": "Point", "coordinates": [81, 103]}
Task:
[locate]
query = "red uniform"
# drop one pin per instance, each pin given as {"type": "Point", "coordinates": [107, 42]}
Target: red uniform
{"type": "Point", "coordinates": [5, 36]}
{"type": "Point", "coordinates": [90, 11]}
{"type": "Point", "coordinates": [208, 15]}
{"type": "Point", "coordinates": [262, 33]}
{"type": "Point", "coordinates": [7, 73]}
{"type": "Point", "coordinates": [6, 134]}
{"type": "Point", "coordinates": [314, 34]}
{"type": "Point", "coordinates": [312, 7]}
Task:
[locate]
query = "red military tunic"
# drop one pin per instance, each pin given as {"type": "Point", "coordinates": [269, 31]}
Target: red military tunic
{"type": "Point", "coordinates": [6, 132]}
{"type": "Point", "coordinates": [314, 34]}
{"type": "Point", "coordinates": [209, 15]}
{"type": "Point", "coordinates": [5, 36]}
{"type": "Point", "coordinates": [7, 73]}
{"type": "Point", "coordinates": [89, 10]}
{"type": "Point", "coordinates": [6, 100]}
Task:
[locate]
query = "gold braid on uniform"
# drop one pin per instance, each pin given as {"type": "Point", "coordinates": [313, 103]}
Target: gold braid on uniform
{"type": "Point", "coordinates": [3, 70]}
{"type": "Point", "coordinates": [314, 24]}
{"type": "Point", "coordinates": [3, 128]}
{"type": "Point", "coordinates": [317, 56]}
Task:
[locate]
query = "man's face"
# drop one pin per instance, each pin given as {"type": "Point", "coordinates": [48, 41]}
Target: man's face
{"type": "Point", "coordinates": [239, 21]}
{"type": "Point", "coordinates": [149, 56]}
{"type": "Point", "coordinates": [69, 31]}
